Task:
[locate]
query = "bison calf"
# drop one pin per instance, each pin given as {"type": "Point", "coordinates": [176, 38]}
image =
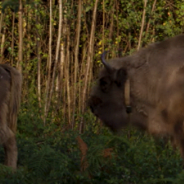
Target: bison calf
{"type": "Point", "coordinates": [145, 89]}
{"type": "Point", "coordinates": [10, 90]}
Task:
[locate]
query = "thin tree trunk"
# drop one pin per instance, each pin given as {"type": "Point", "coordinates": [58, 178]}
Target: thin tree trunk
{"type": "Point", "coordinates": [152, 10]}
{"type": "Point", "coordinates": [76, 70]}
{"type": "Point", "coordinates": [1, 21]}
{"type": "Point", "coordinates": [88, 66]}
{"type": "Point", "coordinates": [61, 72]}
{"type": "Point", "coordinates": [57, 53]}
{"type": "Point", "coordinates": [48, 65]}
{"type": "Point", "coordinates": [153, 35]}
{"type": "Point", "coordinates": [61, 88]}
{"type": "Point", "coordinates": [20, 55]}
{"type": "Point", "coordinates": [117, 25]}
{"type": "Point", "coordinates": [67, 77]}
{"type": "Point", "coordinates": [12, 40]}
{"type": "Point", "coordinates": [2, 45]}
{"type": "Point", "coordinates": [103, 29]}
{"type": "Point", "coordinates": [111, 23]}
{"type": "Point", "coordinates": [81, 77]}
{"type": "Point", "coordinates": [2, 36]}
{"type": "Point", "coordinates": [60, 61]}
{"type": "Point", "coordinates": [38, 46]}
{"type": "Point", "coordinates": [142, 25]}
{"type": "Point", "coordinates": [129, 41]}
{"type": "Point", "coordinates": [82, 68]}
{"type": "Point", "coordinates": [63, 67]}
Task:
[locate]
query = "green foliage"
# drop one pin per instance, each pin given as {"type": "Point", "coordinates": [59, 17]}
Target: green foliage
{"type": "Point", "coordinates": [12, 4]}
{"type": "Point", "coordinates": [180, 178]}
{"type": "Point", "coordinates": [164, 21]}
{"type": "Point", "coordinates": [54, 157]}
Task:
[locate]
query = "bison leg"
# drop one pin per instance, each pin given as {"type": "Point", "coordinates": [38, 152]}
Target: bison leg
{"type": "Point", "coordinates": [8, 140]}
{"type": "Point", "coordinates": [11, 153]}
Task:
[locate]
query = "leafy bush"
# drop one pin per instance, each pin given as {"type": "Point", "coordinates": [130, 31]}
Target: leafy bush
{"type": "Point", "coordinates": [55, 158]}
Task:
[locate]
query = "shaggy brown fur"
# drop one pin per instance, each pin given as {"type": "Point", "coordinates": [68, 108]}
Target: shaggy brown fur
{"type": "Point", "coordinates": [10, 91]}
{"type": "Point", "coordinates": [156, 75]}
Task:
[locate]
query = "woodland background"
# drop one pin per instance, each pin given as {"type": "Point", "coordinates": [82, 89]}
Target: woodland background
{"type": "Point", "coordinates": [56, 44]}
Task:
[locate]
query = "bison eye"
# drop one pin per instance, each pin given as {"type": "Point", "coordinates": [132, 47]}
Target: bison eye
{"type": "Point", "coordinates": [105, 84]}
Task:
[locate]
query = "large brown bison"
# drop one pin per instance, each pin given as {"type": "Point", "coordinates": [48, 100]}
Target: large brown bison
{"type": "Point", "coordinates": [145, 89]}
{"type": "Point", "coordinates": [10, 90]}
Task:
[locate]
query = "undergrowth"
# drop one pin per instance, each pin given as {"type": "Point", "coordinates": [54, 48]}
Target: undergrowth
{"type": "Point", "coordinates": [49, 155]}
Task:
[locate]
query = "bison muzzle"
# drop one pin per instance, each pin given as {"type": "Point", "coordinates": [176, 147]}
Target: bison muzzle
{"type": "Point", "coordinates": [150, 85]}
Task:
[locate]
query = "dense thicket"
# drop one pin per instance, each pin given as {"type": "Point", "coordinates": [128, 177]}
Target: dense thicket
{"type": "Point", "coordinates": [57, 46]}
{"type": "Point", "coordinates": [58, 43]}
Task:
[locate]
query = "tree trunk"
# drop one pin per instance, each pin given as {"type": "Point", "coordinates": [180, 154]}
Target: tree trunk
{"type": "Point", "coordinates": [88, 65]}
{"type": "Point", "coordinates": [152, 10]}
{"type": "Point", "coordinates": [142, 25]}
{"type": "Point", "coordinates": [38, 48]}
{"type": "Point", "coordinates": [12, 40]}
{"type": "Point", "coordinates": [48, 67]}
{"type": "Point", "coordinates": [20, 55]}
{"type": "Point", "coordinates": [67, 77]}
{"type": "Point", "coordinates": [2, 36]}
{"type": "Point", "coordinates": [2, 45]}
{"type": "Point", "coordinates": [57, 53]}
{"type": "Point", "coordinates": [60, 68]}
{"type": "Point", "coordinates": [76, 65]}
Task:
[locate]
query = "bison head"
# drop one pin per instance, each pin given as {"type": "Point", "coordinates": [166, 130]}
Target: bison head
{"type": "Point", "coordinates": [107, 100]}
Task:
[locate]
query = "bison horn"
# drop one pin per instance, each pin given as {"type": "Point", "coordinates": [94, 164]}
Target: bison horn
{"type": "Point", "coordinates": [106, 65]}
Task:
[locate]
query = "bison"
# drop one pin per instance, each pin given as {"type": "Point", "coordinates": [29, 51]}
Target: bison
{"type": "Point", "coordinates": [10, 91]}
{"type": "Point", "coordinates": [145, 89]}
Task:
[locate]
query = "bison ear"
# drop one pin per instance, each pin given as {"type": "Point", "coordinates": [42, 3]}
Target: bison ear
{"type": "Point", "coordinates": [105, 84]}
{"type": "Point", "coordinates": [121, 77]}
